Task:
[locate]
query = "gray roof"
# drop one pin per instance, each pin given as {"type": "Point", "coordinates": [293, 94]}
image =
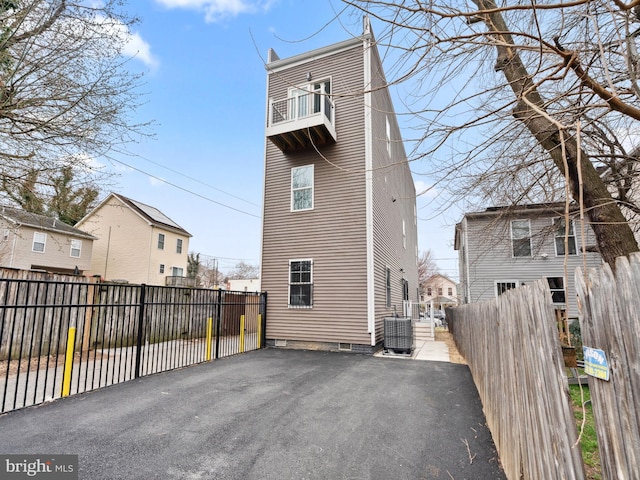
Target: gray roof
{"type": "Point", "coordinates": [152, 214]}
{"type": "Point", "coordinates": [42, 222]}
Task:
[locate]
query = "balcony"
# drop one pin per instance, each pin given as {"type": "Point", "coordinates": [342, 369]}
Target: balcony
{"type": "Point", "coordinates": [301, 121]}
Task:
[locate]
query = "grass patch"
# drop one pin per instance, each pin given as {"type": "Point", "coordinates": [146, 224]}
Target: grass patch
{"type": "Point", "coordinates": [588, 441]}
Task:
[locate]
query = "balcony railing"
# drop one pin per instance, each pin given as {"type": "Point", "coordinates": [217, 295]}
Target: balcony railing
{"type": "Point", "coordinates": [301, 121]}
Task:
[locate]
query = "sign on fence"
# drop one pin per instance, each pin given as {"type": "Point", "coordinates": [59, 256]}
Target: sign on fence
{"type": "Point", "coordinates": [595, 363]}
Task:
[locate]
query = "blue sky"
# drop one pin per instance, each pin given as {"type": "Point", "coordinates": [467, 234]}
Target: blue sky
{"type": "Point", "coordinates": [205, 87]}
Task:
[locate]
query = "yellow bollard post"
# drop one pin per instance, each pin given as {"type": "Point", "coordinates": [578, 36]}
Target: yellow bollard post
{"type": "Point", "coordinates": [259, 330]}
{"type": "Point", "coordinates": [241, 333]}
{"type": "Point", "coordinates": [68, 362]}
{"type": "Point", "coordinates": [209, 335]}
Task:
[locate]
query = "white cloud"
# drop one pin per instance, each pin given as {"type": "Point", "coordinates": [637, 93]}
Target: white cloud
{"type": "Point", "coordinates": [215, 10]}
{"type": "Point", "coordinates": [136, 47]}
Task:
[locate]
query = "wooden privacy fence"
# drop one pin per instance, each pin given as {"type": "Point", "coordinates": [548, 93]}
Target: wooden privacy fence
{"type": "Point", "coordinates": [610, 322]}
{"type": "Point", "coordinates": [512, 348]}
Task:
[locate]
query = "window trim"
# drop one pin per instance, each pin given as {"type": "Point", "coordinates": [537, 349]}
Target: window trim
{"type": "Point", "coordinates": [179, 245]}
{"type": "Point", "coordinates": [161, 240]}
{"type": "Point", "coordinates": [43, 235]}
{"type": "Point", "coordinates": [161, 270]}
{"type": "Point", "coordinates": [312, 187]}
{"type": "Point", "coordinates": [557, 237]}
{"type": "Point", "coordinates": [528, 237]}
{"type": "Point", "coordinates": [310, 283]}
{"type": "Point", "coordinates": [79, 248]}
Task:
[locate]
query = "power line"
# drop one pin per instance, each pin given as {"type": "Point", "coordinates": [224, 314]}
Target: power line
{"type": "Point", "coordinates": [184, 189]}
{"type": "Point", "coordinates": [197, 181]}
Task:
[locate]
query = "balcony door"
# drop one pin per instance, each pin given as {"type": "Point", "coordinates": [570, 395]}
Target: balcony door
{"type": "Point", "coordinates": [307, 99]}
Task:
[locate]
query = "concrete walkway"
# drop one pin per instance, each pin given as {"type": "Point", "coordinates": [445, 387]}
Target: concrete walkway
{"type": "Point", "coordinates": [271, 414]}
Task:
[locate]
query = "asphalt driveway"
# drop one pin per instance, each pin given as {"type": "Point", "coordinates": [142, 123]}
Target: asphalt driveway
{"type": "Point", "coordinates": [271, 414]}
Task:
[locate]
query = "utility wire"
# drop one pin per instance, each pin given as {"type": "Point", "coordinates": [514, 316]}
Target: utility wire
{"type": "Point", "coordinates": [184, 189]}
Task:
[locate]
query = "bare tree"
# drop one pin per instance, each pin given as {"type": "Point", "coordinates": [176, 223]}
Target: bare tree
{"type": "Point", "coordinates": [65, 91]}
{"type": "Point", "coordinates": [427, 266]}
{"type": "Point", "coordinates": [524, 102]}
{"type": "Point", "coordinates": [244, 271]}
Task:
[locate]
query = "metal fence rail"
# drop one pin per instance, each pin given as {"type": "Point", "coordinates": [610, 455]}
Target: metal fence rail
{"type": "Point", "coordinates": [59, 338]}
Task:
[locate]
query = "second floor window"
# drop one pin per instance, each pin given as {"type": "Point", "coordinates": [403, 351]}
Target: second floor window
{"type": "Point", "coordinates": [161, 241]}
{"type": "Point", "coordinates": [179, 245]}
{"type": "Point", "coordinates": [561, 233]}
{"type": "Point", "coordinates": [440, 291]}
{"type": "Point", "coordinates": [302, 188]}
{"type": "Point", "coordinates": [39, 241]}
{"type": "Point", "coordinates": [429, 292]}
{"type": "Point", "coordinates": [521, 238]}
{"type": "Point", "coordinates": [450, 291]}
{"type": "Point", "coordinates": [162, 268]}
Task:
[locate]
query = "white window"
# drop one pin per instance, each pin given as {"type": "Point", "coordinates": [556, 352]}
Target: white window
{"type": "Point", "coordinates": [179, 245]}
{"type": "Point", "coordinates": [521, 238]}
{"type": "Point", "coordinates": [310, 99]}
{"type": "Point", "coordinates": [76, 248]}
{"type": "Point", "coordinates": [162, 268]}
{"type": "Point", "coordinates": [302, 188]}
{"type": "Point", "coordinates": [300, 283]}
{"type": "Point", "coordinates": [560, 232]}
{"type": "Point", "coordinates": [556, 285]}
{"type": "Point", "coordinates": [388, 130]}
{"type": "Point", "coordinates": [388, 286]}
{"type": "Point", "coordinates": [177, 271]}
{"type": "Point", "coordinates": [404, 235]}
{"type": "Point", "coordinates": [503, 286]}
{"type": "Point", "coordinates": [39, 241]}
{"type": "Point", "coordinates": [161, 241]}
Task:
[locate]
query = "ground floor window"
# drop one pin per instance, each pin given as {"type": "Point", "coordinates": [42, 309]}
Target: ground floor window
{"type": "Point", "coordinates": [388, 287]}
{"type": "Point", "coordinates": [556, 285]}
{"type": "Point", "coordinates": [503, 286]}
{"type": "Point", "coordinates": [300, 283]}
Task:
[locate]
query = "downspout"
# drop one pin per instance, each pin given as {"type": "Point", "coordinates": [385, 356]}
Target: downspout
{"type": "Point", "coordinates": [368, 160]}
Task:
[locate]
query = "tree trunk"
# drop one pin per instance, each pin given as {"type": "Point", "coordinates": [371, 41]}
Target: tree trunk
{"type": "Point", "coordinates": [613, 234]}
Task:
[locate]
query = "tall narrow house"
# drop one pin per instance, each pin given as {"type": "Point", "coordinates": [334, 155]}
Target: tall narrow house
{"type": "Point", "coordinates": [339, 240]}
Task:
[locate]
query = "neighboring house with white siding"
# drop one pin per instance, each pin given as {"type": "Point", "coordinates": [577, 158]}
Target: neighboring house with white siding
{"type": "Point", "coordinates": [29, 241]}
{"type": "Point", "coordinates": [505, 247]}
{"type": "Point", "coordinates": [339, 239]}
{"type": "Point", "coordinates": [135, 242]}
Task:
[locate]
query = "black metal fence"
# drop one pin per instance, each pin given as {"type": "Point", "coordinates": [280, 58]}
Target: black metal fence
{"type": "Point", "coordinates": [60, 338]}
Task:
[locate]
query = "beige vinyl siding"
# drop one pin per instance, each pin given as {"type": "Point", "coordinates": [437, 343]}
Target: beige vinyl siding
{"type": "Point", "coordinates": [17, 250]}
{"type": "Point", "coordinates": [391, 180]}
{"type": "Point", "coordinates": [126, 245]}
{"type": "Point", "coordinates": [487, 244]}
{"type": "Point", "coordinates": [333, 234]}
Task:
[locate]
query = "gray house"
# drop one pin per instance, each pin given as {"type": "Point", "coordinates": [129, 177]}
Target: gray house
{"type": "Point", "coordinates": [505, 247]}
{"type": "Point", "coordinates": [30, 241]}
{"type": "Point", "coordinates": [339, 240]}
